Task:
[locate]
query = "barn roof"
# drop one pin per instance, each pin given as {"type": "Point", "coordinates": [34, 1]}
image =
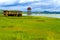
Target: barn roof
{"type": "Point", "coordinates": [11, 10]}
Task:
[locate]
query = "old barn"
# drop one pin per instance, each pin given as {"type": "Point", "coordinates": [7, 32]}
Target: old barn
{"type": "Point", "coordinates": [12, 13]}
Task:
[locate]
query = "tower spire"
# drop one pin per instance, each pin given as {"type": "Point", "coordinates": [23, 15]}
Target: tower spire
{"type": "Point", "coordinates": [29, 11]}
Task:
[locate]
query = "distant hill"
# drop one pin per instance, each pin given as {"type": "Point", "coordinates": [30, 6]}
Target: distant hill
{"type": "Point", "coordinates": [1, 11]}
{"type": "Point", "coordinates": [36, 12]}
{"type": "Point", "coordinates": [47, 12]}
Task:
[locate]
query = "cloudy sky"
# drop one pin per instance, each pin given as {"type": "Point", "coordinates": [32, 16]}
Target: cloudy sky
{"type": "Point", "coordinates": [36, 5]}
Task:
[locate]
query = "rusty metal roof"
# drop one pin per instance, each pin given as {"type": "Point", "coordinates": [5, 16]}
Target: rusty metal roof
{"type": "Point", "coordinates": [11, 10]}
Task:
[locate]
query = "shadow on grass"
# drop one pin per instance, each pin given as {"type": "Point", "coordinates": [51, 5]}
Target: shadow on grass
{"type": "Point", "coordinates": [10, 38]}
{"type": "Point", "coordinates": [40, 20]}
{"type": "Point", "coordinates": [38, 39]}
{"type": "Point", "coordinates": [7, 26]}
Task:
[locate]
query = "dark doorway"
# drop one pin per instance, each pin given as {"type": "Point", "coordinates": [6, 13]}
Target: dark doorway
{"type": "Point", "coordinates": [19, 14]}
{"type": "Point", "coordinates": [10, 14]}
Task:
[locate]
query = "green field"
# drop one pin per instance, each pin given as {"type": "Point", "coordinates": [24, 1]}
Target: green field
{"type": "Point", "coordinates": [29, 28]}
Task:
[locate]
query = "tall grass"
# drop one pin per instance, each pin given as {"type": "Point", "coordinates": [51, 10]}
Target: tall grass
{"type": "Point", "coordinates": [29, 28]}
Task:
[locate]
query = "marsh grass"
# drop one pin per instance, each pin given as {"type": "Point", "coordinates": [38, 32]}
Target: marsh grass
{"type": "Point", "coordinates": [29, 28]}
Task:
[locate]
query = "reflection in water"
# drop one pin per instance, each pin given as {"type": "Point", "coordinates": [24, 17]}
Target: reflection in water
{"type": "Point", "coordinates": [46, 15]}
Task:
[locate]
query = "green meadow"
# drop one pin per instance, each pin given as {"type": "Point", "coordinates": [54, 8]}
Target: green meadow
{"type": "Point", "coordinates": [29, 28]}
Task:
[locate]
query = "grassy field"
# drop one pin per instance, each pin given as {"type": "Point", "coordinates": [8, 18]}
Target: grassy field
{"type": "Point", "coordinates": [29, 28]}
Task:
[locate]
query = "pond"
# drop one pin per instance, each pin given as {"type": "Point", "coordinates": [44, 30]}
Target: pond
{"type": "Point", "coordinates": [46, 15]}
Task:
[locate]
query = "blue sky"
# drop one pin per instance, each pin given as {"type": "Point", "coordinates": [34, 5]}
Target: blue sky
{"type": "Point", "coordinates": [36, 5]}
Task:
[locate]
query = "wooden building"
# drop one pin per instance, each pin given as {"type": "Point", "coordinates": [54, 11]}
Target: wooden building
{"type": "Point", "coordinates": [12, 13]}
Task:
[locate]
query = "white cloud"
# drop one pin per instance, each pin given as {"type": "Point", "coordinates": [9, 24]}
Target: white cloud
{"type": "Point", "coordinates": [22, 8]}
{"type": "Point", "coordinates": [24, 1]}
{"type": "Point", "coordinates": [55, 4]}
{"type": "Point", "coordinates": [7, 2]}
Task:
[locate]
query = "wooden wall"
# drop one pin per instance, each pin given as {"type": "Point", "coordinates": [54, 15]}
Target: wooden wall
{"type": "Point", "coordinates": [15, 13]}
